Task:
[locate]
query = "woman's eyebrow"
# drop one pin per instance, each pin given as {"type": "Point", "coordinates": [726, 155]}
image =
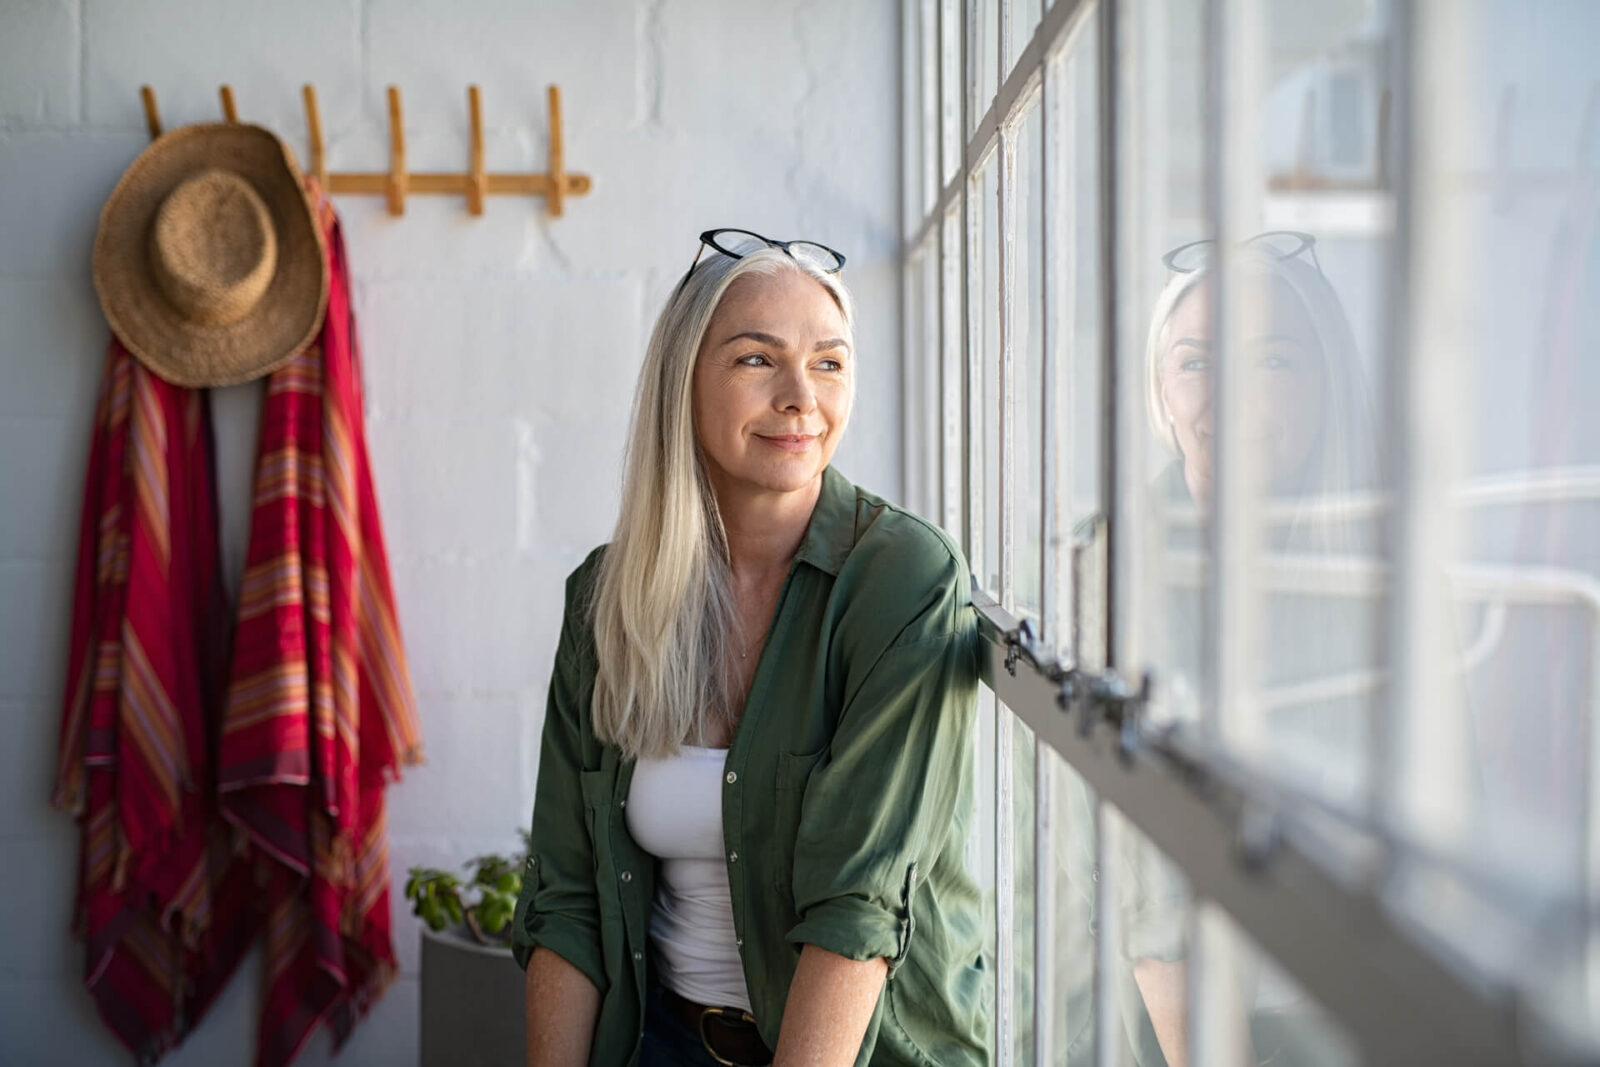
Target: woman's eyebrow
{"type": "Point", "coordinates": [757, 335]}
{"type": "Point", "coordinates": [778, 342]}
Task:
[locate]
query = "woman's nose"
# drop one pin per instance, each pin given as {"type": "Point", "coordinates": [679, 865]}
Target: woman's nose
{"type": "Point", "coordinates": [795, 393]}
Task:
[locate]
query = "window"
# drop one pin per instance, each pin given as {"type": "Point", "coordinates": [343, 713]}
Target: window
{"type": "Point", "coordinates": [1250, 347]}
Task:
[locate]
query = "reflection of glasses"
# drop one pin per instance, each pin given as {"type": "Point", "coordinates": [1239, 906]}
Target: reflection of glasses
{"type": "Point", "coordinates": [1280, 244]}
{"type": "Point", "coordinates": [740, 243]}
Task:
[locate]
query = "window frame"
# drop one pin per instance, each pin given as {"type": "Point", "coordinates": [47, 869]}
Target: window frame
{"type": "Point", "coordinates": [1303, 881]}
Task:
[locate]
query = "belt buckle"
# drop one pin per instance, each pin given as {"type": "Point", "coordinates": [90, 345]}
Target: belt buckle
{"type": "Point", "coordinates": [742, 1016]}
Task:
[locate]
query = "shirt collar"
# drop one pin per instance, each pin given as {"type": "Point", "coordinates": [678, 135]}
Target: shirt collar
{"type": "Point", "coordinates": [831, 534]}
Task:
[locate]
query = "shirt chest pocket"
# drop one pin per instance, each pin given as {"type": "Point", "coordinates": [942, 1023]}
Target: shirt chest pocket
{"type": "Point", "coordinates": [794, 773]}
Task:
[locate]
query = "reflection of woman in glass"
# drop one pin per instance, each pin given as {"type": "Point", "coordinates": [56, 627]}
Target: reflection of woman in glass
{"type": "Point", "coordinates": [1311, 441]}
{"type": "Point", "coordinates": [1312, 427]}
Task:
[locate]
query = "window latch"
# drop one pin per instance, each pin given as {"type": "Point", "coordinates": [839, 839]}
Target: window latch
{"type": "Point", "coordinates": [1097, 695]}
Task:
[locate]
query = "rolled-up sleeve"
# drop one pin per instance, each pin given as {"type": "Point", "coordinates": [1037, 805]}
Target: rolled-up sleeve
{"type": "Point", "coordinates": [557, 908]}
{"type": "Point", "coordinates": [880, 805]}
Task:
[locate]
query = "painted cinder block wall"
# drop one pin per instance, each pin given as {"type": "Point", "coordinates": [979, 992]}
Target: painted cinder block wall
{"type": "Point", "coordinates": [500, 356]}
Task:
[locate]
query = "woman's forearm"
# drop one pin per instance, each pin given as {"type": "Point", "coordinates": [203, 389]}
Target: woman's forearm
{"type": "Point", "coordinates": [1164, 986]}
{"type": "Point", "coordinates": [561, 1005]}
{"type": "Point", "coordinates": [830, 1003]}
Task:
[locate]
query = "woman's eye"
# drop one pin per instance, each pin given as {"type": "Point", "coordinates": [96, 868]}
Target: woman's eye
{"type": "Point", "coordinates": [756, 357]}
{"type": "Point", "coordinates": [832, 365]}
{"type": "Point", "coordinates": [1275, 363]}
{"type": "Point", "coordinates": [1195, 365]}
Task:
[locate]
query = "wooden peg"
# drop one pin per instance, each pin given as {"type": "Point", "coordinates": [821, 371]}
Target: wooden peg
{"type": "Point", "coordinates": [229, 112]}
{"type": "Point", "coordinates": [558, 164]}
{"type": "Point", "coordinates": [477, 179]}
{"type": "Point", "coordinates": [319, 166]}
{"type": "Point", "coordinates": [395, 188]}
{"type": "Point", "coordinates": [152, 115]}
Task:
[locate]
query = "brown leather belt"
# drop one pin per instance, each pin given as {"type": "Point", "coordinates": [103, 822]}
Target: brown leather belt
{"type": "Point", "coordinates": [729, 1034]}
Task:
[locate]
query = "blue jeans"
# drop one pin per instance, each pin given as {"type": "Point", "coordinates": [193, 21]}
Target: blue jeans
{"type": "Point", "coordinates": [667, 1041]}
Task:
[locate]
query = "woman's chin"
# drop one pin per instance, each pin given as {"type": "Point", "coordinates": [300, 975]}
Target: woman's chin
{"type": "Point", "coordinates": [784, 476]}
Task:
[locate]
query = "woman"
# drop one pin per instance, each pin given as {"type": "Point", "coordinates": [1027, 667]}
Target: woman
{"type": "Point", "coordinates": [755, 781]}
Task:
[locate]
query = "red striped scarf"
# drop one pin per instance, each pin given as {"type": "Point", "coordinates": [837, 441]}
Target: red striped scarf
{"type": "Point", "coordinates": [162, 903]}
{"type": "Point", "coordinates": [320, 714]}
{"type": "Point", "coordinates": [212, 814]}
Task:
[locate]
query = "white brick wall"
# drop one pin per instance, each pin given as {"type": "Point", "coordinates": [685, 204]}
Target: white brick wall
{"type": "Point", "coordinates": [500, 355]}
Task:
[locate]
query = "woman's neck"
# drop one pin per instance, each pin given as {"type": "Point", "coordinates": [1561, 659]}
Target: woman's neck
{"type": "Point", "coordinates": [764, 527]}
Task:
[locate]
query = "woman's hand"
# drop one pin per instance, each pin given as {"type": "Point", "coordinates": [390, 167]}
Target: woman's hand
{"type": "Point", "coordinates": [830, 1003]}
{"type": "Point", "coordinates": [561, 1006]}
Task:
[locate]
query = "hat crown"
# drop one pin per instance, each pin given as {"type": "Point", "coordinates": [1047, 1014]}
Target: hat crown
{"type": "Point", "coordinates": [213, 250]}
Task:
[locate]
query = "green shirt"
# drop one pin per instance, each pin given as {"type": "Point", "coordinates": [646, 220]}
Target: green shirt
{"type": "Point", "coordinates": [848, 794]}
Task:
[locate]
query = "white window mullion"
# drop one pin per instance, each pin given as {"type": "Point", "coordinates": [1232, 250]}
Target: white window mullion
{"type": "Point", "coordinates": [1005, 826]}
{"type": "Point", "coordinates": [1055, 459]}
{"type": "Point", "coordinates": [1231, 643]}
{"type": "Point", "coordinates": [1118, 490]}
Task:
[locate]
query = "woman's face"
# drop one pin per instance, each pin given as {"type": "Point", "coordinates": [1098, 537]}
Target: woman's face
{"type": "Point", "coordinates": [1287, 414]}
{"type": "Point", "coordinates": [772, 383]}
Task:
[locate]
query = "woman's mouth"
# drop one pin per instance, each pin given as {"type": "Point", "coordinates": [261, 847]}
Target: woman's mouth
{"type": "Point", "coordinates": [789, 442]}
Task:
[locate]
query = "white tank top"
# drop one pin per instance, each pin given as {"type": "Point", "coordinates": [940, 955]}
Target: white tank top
{"type": "Point", "coordinates": [674, 812]}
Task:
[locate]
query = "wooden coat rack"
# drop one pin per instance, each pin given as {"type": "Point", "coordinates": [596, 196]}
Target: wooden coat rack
{"type": "Point", "coordinates": [396, 183]}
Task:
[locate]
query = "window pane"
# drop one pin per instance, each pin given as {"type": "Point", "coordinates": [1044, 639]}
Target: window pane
{"type": "Point", "coordinates": [1257, 1012]}
{"type": "Point", "coordinates": [952, 376]}
{"type": "Point", "coordinates": [1529, 455]}
{"type": "Point", "coordinates": [1027, 347]}
{"type": "Point", "coordinates": [921, 385]}
{"type": "Point", "coordinates": [983, 58]}
{"type": "Point", "coordinates": [950, 132]}
{"type": "Point", "coordinates": [1506, 288]}
{"type": "Point", "coordinates": [1073, 247]}
{"type": "Point", "coordinates": [927, 358]}
{"type": "Point", "coordinates": [1306, 291]}
{"type": "Point", "coordinates": [1024, 20]}
{"type": "Point", "coordinates": [1150, 973]}
{"type": "Point", "coordinates": [983, 315]}
{"type": "Point", "coordinates": [915, 134]}
{"type": "Point", "coordinates": [1024, 857]}
{"type": "Point", "coordinates": [928, 102]}
{"type": "Point", "coordinates": [1164, 188]}
{"type": "Point", "coordinates": [1075, 873]}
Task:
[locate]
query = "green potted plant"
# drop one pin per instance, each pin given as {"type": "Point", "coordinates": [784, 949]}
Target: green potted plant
{"type": "Point", "coordinates": [471, 989]}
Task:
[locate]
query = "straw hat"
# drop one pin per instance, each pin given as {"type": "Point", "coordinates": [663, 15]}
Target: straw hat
{"type": "Point", "coordinates": [209, 260]}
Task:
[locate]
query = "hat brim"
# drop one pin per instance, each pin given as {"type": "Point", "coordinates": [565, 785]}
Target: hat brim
{"type": "Point", "coordinates": [282, 322]}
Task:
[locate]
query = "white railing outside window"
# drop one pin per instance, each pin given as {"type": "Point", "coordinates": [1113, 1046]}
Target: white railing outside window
{"type": "Point", "coordinates": [1252, 350]}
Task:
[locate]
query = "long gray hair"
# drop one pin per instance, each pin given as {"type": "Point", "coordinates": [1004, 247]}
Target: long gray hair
{"type": "Point", "coordinates": [663, 605]}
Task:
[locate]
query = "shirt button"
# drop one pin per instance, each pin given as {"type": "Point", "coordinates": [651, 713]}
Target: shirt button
{"type": "Point", "coordinates": [637, 956]}
{"type": "Point", "coordinates": [733, 857]}
{"type": "Point", "coordinates": [627, 876]}
{"type": "Point", "coordinates": [739, 941]}
{"type": "Point", "coordinates": [732, 777]}
{"type": "Point", "coordinates": [530, 863]}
